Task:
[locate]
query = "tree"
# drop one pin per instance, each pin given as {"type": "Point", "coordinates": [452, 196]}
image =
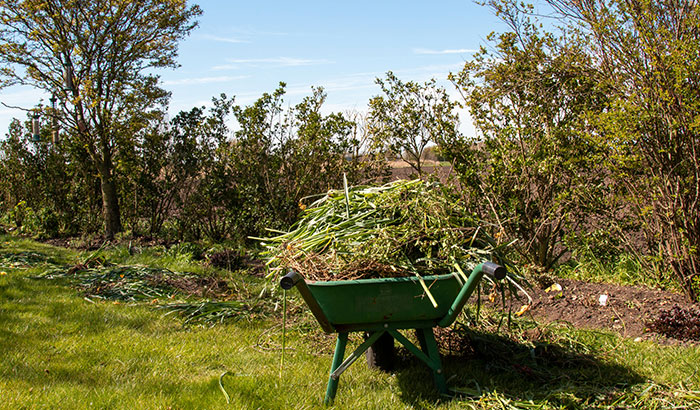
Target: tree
{"type": "Point", "coordinates": [648, 50]}
{"type": "Point", "coordinates": [534, 167]}
{"type": "Point", "coordinates": [211, 206]}
{"type": "Point", "coordinates": [96, 57]}
{"type": "Point", "coordinates": [169, 160]}
{"type": "Point", "coordinates": [281, 156]}
{"type": "Point", "coordinates": [410, 116]}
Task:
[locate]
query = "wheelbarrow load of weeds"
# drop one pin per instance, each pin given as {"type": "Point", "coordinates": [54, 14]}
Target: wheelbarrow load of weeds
{"type": "Point", "coordinates": [406, 255]}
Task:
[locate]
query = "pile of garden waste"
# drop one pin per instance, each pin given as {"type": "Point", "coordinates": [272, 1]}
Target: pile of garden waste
{"type": "Point", "coordinates": [404, 228]}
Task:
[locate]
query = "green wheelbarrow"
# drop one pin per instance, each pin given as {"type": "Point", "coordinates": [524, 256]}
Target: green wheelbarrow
{"type": "Point", "coordinates": [382, 307]}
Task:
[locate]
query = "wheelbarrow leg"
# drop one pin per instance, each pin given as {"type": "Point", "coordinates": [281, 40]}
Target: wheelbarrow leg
{"type": "Point", "coordinates": [337, 361]}
{"type": "Point", "coordinates": [420, 335]}
{"type": "Point", "coordinates": [429, 355]}
{"type": "Point", "coordinates": [426, 338]}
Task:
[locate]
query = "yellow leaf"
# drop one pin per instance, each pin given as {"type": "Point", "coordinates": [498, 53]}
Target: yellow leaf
{"type": "Point", "coordinates": [523, 309]}
{"type": "Point", "coordinates": [554, 288]}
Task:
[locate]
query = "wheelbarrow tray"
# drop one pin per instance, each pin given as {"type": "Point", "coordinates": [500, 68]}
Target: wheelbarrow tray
{"type": "Point", "coordinates": [365, 304]}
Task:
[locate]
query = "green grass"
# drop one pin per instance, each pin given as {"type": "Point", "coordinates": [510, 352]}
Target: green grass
{"type": "Point", "coordinates": [60, 350]}
{"type": "Point", "coordinates": [624, 269]}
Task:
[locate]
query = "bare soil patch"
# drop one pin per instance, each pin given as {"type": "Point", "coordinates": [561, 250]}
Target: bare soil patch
{"type": "Point", "coordinates": [626, 310]}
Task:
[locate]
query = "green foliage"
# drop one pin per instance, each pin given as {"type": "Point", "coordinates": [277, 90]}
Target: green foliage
{"type": "Point", "coordinates": [23, 218]}
{"type": "Point", "coordinates": [191, 176]}
{"type": "Point", "coordinates": [51, 180]}
{"type": "Point", "coordinates": [194, 177]}
{"type": "Point", "coordinates": [188, 179]}
{"type": "Point", "coordinates": [96, 57]}
{"type": "Point", "coordinates": [410, 116]}
{"type": "Point", "coordinates": [646, 52]}
{"type": "Point", "coordinates": [532, 170]}
{"type": "Point", "coordinates": [280, 157]}
{"type": "Point", "coordinates": [227, 188]}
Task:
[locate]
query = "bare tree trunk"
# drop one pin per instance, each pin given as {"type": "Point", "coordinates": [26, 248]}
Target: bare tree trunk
{"type": "Point", "coordinates": [110, 200]}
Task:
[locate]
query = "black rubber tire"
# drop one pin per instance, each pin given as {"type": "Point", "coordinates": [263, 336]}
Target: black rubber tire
{"type": "Point", "coordinates": [382, 354]}
{"type": "Point", "coordinates": [420, 335]}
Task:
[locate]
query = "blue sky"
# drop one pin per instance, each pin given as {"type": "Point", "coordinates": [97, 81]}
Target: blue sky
{"type": "Point", "coordinates": [247, 48]}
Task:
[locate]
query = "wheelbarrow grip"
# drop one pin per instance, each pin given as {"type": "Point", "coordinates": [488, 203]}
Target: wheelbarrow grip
{"type": "Point", "coordinates": [290, 280]}
{"type": "Point", "coordinates": [494, 270]}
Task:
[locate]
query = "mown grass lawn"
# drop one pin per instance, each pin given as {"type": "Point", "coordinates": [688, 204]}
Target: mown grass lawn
{"type": "Point", "coordinates": [61, 350]}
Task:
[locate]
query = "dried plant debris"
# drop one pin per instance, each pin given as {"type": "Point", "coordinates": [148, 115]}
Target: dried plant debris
{"type": "Point", "coordinates": [402, 228]}
{"type": "Point", "coordinates": [198, 299]}
{"type": "Point", "coordinates": [15, 260]}
{"type": "Point", "coordinates": [130, 283]}
{"type": "Point", "coordinates": [678, 323]}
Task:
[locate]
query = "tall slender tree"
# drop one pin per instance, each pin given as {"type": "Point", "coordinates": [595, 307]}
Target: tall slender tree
{"type": "Point", "coordinates": [97, 57]}
{"type": "Point", "coordinates": [409, 116]}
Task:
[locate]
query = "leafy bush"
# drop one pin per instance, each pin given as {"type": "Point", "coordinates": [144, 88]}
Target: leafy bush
{"type": "Point", "coordinates": [678, 323]}
{"type": "Point", "coordinates": [409, 116]}
{"type": "Point", "coordinates": [533, 172]}
{"type": "Point", "coordinates": [280, 157]}
{"type": "Point", "coordinates": [52, 179]}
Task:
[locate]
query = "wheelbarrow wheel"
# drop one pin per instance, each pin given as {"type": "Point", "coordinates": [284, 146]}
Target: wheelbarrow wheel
{"type": "Point", "coordinates": [381, 354]}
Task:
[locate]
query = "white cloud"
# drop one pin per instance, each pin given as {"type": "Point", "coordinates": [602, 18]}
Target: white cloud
{"type": "Point", "coordinates": [225, 67]}
{"type": "Point", "coordinates": [277, 61]}
{"type": "Point", "coordinates": [425, 73]}
{"type": "Point", "coordinates": [224, 39]}
{"type": "Point", "coordinates": [204, 80]}
{"type": "Point", "coordinates": [360, 81]}
{"type": "Point", "coordinates": [448, 51]}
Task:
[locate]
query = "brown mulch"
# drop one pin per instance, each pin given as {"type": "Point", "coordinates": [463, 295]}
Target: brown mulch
{"type": "Point", "coordinates": [319, 267]}
{"type": "Point", "coordinates": [628, 310]}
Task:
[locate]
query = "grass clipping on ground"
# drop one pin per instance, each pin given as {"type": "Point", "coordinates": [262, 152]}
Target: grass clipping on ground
{"type": "Point", "coordinates": [404, 228]}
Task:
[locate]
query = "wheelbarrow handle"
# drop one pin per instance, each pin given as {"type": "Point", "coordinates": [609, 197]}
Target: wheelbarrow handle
{"type": "Point", "coordinates": [494, 270]}
{"type": "Point", "coordinates": [294, 279]}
